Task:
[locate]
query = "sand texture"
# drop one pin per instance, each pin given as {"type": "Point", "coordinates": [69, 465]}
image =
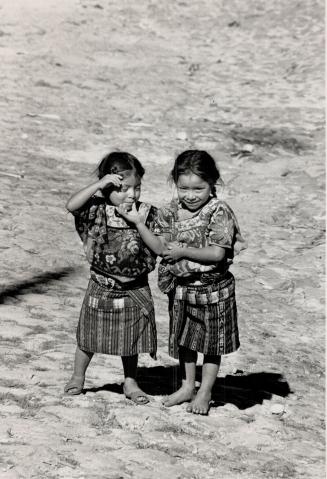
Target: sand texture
{"type": "Point", "coordinates": [243, 80]}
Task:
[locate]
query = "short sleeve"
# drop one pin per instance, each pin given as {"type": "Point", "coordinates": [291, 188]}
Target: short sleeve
{"type": "Point", "coordinates": [85, 217]}
{"type": "Point", "coordinates": [222, 227]}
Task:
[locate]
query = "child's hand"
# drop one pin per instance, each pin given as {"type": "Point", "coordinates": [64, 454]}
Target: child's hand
{"type": "Point", "coordinates": [110, 180]}
{"type": "Point", "coordinates": [130, 213]}
{"type": "Point", "coordinates": [173, 252]}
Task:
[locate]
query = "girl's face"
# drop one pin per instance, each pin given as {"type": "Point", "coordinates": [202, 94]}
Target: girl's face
{"type": "Point", "coordinates": [128, 193]}
{"type": "Point", "coordinates": [193, 192]}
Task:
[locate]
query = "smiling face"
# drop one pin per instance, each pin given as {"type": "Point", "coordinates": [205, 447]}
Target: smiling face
{"type": "Point", "coordinates": [193, 192]}
{"type": "Point", "coordinates": [128, 193]}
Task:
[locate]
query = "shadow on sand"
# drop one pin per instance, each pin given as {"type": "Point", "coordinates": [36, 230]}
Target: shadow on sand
{"type": "Point", "coordinates": [243, 391]}
{"type": "Point", "coordinates": [35, 284]}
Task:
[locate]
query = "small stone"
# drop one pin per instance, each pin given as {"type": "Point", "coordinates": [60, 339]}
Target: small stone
{"type": "Point", "coordinates": [238, 372]}
{"type": "Point", "coordinates": [247, 148]}
{"type": "Point", "coordinates": [277, 409]}
{"type": "Point", "coordinates": [181, 135]}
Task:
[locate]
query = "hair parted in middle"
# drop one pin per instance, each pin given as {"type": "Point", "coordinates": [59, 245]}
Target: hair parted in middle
{"type": "Point", "coordinates": [198, 162]}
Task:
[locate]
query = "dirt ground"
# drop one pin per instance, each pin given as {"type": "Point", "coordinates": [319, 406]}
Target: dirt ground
{"type": "Point", "coordinates": [80, 78]}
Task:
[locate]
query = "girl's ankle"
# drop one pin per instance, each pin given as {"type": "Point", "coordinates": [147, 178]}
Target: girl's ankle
{"type": "Point", "coordinates": [188, 385]}
{"type": "Point", "coordinates": [205, 391]}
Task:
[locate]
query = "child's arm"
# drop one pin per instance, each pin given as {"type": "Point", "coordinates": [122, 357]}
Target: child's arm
{"type": "Point", "coordinates": [206, 255]}
{"type": "Point", "coordinates": [223, 229]}
{"type": "Point", "coordinates": [77, 200]}
{"type": "Point", "coordinates": [155, 243]}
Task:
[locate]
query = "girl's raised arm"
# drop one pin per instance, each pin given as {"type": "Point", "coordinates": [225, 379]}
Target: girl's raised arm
{"type": "Point", "coordinates": [77, 200]}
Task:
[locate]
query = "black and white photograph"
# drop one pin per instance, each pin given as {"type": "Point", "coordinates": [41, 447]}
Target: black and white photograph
{"type": "Point", "coordinates": [162, 239]}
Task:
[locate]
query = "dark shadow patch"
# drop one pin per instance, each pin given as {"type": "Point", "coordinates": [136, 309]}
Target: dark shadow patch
{"type": "Point", "coordinates": [247, 390]}
{"type": "Point", "coordinates": [110, 387]}
{"type": "Point", "coordinates": [267, 137]}
{"type": "Point", "coordinates": [35, 284]}
{"type": "Point", "coordinates": [156, 381]}
{"type": "Point", "coordinates": [243, 391]}
{"type": "Point", "coordinates": [159, 380]}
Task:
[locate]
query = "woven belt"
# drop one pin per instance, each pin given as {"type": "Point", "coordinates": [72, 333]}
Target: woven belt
{"type": "Point", "coordinates": [202, 280]}
{"type": "Point", "coordinates": [113, 283]}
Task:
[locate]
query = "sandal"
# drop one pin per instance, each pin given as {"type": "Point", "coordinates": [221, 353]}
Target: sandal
{"type": "Point", "coordinates": [138, 397]}
{"type": "Point", "coordinates": [74, 386]}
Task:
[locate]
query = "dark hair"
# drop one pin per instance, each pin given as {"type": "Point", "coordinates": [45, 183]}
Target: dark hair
{"type": "Point", "coordinates": [198, 162]}
{"type": "Point", "coordinates": [118, 162]}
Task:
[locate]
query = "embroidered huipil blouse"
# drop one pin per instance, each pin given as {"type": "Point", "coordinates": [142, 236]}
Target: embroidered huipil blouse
{"type": "Point", "coordinates": [214, 224]}
{"type": "Point", "coordinates": [113, 246]}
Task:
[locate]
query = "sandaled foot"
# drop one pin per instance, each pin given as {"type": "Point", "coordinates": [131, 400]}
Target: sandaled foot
{"type": "Point", "coordinates": [200, 404]}
{"type": "Point", "coordinates": [136, 395]}
{"type": "Point", "coordinates": [74, 386]}
{"type": "Point", "coordinates": [184, 394]}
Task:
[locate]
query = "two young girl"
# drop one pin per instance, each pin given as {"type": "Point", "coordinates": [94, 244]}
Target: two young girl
{"type": "Point", "coordinates": [195, 236]}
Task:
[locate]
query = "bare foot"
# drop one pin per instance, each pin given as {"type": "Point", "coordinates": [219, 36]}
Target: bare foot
{"type": "Point", "coordinates": [200, 404]}
{"type": "Point", "coordinates": [184, 394]}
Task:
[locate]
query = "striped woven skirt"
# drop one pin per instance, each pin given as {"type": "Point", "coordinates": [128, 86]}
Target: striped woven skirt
{"type": "Point", "coordinates": [117, 322]}
{"type": "Point", "coordinates": [203, 318]}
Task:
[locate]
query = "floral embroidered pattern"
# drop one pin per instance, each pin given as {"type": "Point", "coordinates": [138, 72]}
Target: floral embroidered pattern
{"type": "Point", "coordinates": [113, 246]}
{"type": "Point", "coordinates": [214, 224]}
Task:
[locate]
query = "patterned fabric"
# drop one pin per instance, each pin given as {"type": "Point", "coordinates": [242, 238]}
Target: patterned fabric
{"type": "Point", "coordinates": [112, 283]}
{"type": "Point", "coordinates": [113, 246]}
{"type": "Point", "coordinates": [214, 224]}
{"type": "Point", "coordinates": [117, 322]}
{"type": "Point", "coordinates": [204, 318]}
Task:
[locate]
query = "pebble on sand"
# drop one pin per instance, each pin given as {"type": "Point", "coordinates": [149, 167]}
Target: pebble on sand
{"type": "Point", "coordinates": [277, 409]}
{"type": "Point", "coordinates": [181, 135]}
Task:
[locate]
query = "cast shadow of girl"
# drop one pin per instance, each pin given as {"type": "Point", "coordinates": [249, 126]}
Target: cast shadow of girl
{"type": "Point", "coordinates": [241, 390]}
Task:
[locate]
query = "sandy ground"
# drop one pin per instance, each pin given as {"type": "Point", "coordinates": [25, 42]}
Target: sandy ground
{"type": "Point", "coordinates": [82, 77]}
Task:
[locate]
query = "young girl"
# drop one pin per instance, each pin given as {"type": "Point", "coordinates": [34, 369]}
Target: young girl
{"type": "Point", "coordinates": [117, 315]}
{"type": "Point", "coordinates": [196, 237]}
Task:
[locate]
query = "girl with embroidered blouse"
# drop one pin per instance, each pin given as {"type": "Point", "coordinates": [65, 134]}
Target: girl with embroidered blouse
{"type": "Point", "coordinates": [117, 315]}
{"type": "Point", "coordinates": [196, 237]}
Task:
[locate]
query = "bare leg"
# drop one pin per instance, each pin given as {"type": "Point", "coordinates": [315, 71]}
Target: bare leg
{"type": "Point", "coordinates": [131, 389]}
{"type": "Point", "coordinates": [76, 383]}
{"type": "Point", "coordinates": [210, 368]}
{"type": "Point", "coordinates": [187, 360]}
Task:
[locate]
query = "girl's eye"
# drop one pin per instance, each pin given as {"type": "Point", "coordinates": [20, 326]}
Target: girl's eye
{"type": "Point", "coordinates": [124, 189]}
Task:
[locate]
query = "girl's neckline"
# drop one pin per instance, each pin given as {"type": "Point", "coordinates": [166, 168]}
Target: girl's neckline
{"type": "Point", "coordinates": [187, 214]}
